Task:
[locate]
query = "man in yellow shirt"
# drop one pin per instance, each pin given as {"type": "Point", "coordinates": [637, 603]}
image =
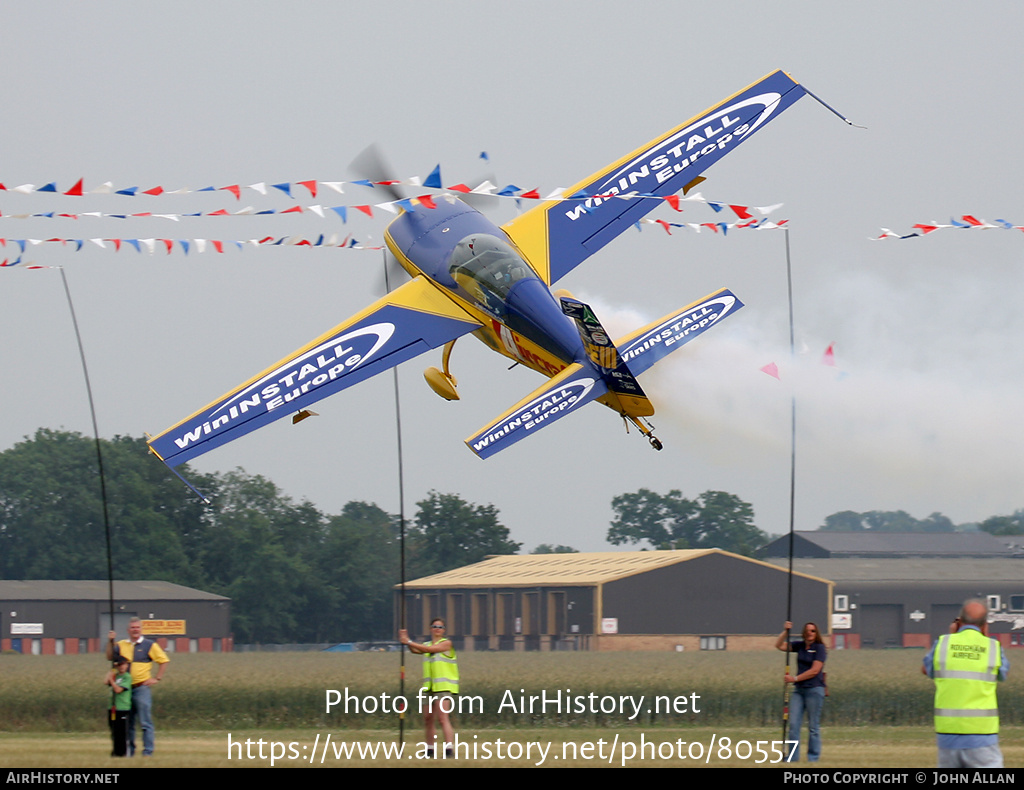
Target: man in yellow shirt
{"type": "Point", "coordinates": [143, 653]}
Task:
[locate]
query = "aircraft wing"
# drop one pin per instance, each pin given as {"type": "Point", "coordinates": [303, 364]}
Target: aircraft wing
{"type": "Point", "coordinates": [556, 236]}
{"type": "Point", "coordinates": [405, 323]}
{"type": "Point", "coordinates": [652, 343]}
{"type": "Point", "coordinates": [560, 395]}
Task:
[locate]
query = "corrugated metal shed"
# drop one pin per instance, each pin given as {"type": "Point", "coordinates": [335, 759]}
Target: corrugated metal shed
{"type": "Point", "coordinates": [895, 544]}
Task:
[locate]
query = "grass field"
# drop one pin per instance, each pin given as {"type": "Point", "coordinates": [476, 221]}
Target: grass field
{"type": "Point", "coordinates": [878, 713]}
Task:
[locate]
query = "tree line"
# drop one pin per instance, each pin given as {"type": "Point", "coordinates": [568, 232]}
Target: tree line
{"type": "Point", "coordinates": [294, 573]}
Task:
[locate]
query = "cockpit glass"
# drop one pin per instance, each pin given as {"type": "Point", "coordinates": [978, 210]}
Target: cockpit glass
{"type": "Point", "coordinates": [487, 267]}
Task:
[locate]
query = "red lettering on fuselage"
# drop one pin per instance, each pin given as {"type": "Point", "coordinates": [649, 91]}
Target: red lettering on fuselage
{"type": "Point", "coordinates": [516, 347]}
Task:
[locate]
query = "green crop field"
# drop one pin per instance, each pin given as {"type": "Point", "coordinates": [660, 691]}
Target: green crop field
{"type": "Point", "coordinates": [638, 705]}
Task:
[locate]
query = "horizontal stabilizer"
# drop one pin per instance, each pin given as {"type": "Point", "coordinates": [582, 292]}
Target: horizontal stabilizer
{"type": "Point", "coordinates": [560, 395]}
{"type": "Point", "coordinates": [652, 343]}
{"type": "Point", "coordinates": [405, 323]}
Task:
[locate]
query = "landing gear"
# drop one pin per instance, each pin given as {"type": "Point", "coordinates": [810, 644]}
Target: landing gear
{"type": "Point", "coordinates": [645, 428]}
{"type": "Point", "coordinates": [442, 381]}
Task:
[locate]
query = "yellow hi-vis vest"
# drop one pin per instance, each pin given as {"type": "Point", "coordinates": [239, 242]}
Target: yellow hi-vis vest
{"type": "Point", "coordinates": [966, 670]}
{"type": "Point", "coordinates": [441, 671]}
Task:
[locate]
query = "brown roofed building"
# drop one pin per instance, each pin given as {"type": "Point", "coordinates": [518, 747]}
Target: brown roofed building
{"type": "Point", "coordinates": [642, 600]}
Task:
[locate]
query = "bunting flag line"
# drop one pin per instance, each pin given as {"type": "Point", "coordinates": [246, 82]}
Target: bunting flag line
{"type": "Point", "coordinates": [391, 207]}
{"type": "Point", "coordinates": [966, 222]}
{"type": "Point", "coordinates": [152, 245]}
{"type": "Point", "coordinates": [433, 181]}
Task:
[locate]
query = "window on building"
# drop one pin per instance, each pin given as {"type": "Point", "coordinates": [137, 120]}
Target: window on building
{"type": "Point", "coordinates": [842, 603]}
{"type": "Point", "coordinates": [712, 643]}
{"type": "Point", "coordinates": [994, 603]}
{"type": "Point", "coordinates": [1017, 603]}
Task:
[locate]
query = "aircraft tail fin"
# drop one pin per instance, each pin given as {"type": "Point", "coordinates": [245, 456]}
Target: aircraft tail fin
{"type": "Point", "coordinates": [625, 395]}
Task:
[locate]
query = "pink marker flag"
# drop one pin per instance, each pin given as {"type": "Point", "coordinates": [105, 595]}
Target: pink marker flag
{"type": "Point", "coordinates": [771, 369]}
{"type": "Point", "coordinates": [829, 357]}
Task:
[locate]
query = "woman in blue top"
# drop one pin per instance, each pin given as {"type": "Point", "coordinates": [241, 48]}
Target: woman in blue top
{"type": "Point", "coordinates": [808, 688]}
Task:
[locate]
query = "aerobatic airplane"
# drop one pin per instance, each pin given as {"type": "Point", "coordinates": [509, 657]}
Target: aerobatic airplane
{"type": "Point", "coordinates": [470, 276]}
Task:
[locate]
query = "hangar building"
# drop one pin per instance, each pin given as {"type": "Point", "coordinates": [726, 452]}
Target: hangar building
{"type": "Point", "coordinates": [640, 600]}
{"type": "Point", "coordinates": [65, 617]}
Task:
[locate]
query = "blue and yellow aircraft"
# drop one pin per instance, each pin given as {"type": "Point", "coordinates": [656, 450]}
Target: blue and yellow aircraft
{"type": "Point", "coordinates": [470, 276]}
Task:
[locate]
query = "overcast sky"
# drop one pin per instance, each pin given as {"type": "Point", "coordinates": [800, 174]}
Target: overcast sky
{"type": "Point", "coordinates": [922, 412]}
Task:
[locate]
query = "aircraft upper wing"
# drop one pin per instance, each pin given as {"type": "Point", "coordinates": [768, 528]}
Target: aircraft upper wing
{"type": "Point", "coordinates": [410, 320]}
{"type": "Point", "coordinates": [557, 236]}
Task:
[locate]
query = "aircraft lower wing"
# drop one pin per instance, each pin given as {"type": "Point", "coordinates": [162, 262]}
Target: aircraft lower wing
{"type": "Point", "coordinates": [652, 343]}
{"type": "Point", "coordinates": [557, 236]}
{"type": "Point", "coordinates": [405, 323]}
{"type": "Point", "coordinates": [560, 395]}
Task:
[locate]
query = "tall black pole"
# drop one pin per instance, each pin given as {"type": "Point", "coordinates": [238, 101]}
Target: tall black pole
{"type": "Point", "coordinates": [401, 529]}
{"type": "Point", "coordinates": [792, 485]}
{"type": "Point", "coordinates": [99, 450]}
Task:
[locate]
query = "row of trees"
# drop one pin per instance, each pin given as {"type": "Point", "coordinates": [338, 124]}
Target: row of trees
{"type": "Point", "coordinates": [901, 521]}
{"type": "Point", "coordinates": [293, 573]}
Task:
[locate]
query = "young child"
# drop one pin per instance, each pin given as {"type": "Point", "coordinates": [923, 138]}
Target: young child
{"type": "Point", "coordinates": [120, 681]}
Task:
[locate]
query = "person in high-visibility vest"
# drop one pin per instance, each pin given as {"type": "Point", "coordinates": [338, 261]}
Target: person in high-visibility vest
{"type": "Point", "coordinates": [966, 664]}
{"type": "Point", "coordinates": [440, 683]}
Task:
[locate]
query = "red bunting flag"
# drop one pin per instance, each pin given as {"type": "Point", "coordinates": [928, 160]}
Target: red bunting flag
{"type": "Point", "coordinates": [673, 200]}
{"type": "Point", "coordinates": [367, 210]}
{"type": "Point", "coordinates": [460, 188]}
{"type": "Point", "coordinates": [235, 190]}
{"type": "Point", "coordinates": [972, 220]}
{"type": "Point", "coordinates": [169, 244]}
{"type": "Point", "coordinates": [222, 212]}
{"type": "Point", "coordinates": [310, 185]}
{"type": "Point", "coordinates": [771, 369]}
{"type": "Point", "coordinates": [533, 194]}
{"type": "Point", "coordinates": [741, 212]}
{"type": "Point", "coordinates": [926, 229]}
{"type": "Point", "coordinates": [154, 191]}
{"type": "Point", "coordinates": [665, 225]}
{"type": "Point", "coordinates": [292, 210]}
{"type": "Point", "coordinates": [829, 357]}
{"type": "Point", "coordinates": [427, 200]}
{"type": "Point", "coordinates": [76, 190]}
{"type": "Point", "coordinates": [217, 245]}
